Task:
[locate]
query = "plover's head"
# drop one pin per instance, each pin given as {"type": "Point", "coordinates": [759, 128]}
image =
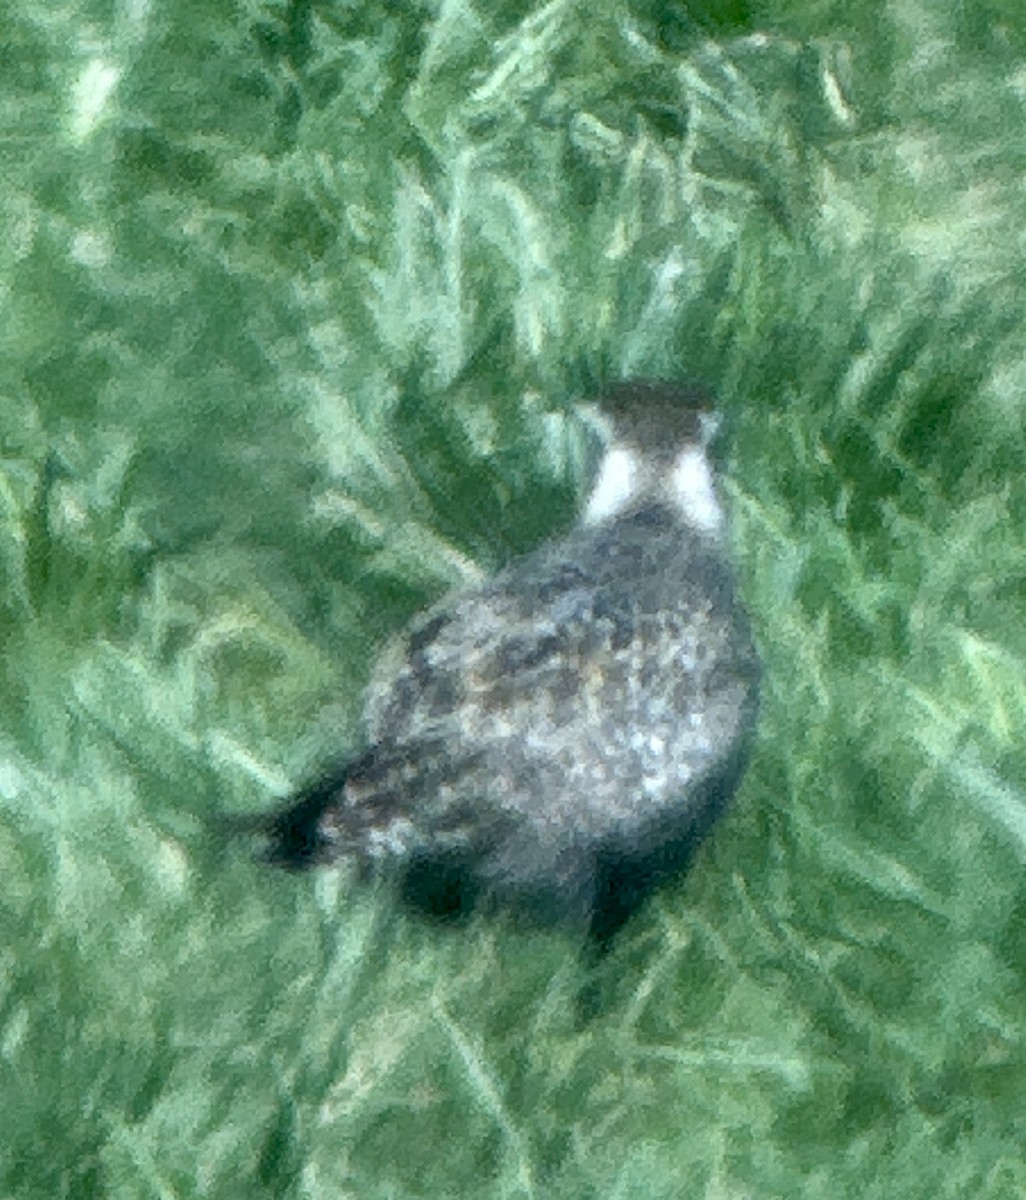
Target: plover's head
{"type": "Point", "coordinates": [657, 452]}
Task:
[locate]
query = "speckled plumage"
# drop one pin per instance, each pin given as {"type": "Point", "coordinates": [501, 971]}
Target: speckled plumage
{"type": "Point", "coordinates": [560, 737]}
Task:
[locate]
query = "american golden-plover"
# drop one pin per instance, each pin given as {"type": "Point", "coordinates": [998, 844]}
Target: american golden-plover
{"type": "Point", "coordinates": [560, 738]}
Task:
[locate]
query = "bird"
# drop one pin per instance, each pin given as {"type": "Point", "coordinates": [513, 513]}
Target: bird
{"type": "Point", "coordinates": [557, 740]}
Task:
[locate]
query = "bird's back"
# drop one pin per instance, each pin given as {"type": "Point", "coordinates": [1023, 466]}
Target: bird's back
{"type": "Point", "coordinates": [575, 704]}
{"type": "Point", "coordinates": [566, 732]}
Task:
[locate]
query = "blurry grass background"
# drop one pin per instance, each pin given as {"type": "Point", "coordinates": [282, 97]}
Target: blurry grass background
{"type": "Point", "coordinates": [293, 297]}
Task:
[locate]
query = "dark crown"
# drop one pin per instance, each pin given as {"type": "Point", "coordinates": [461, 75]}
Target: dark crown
{"type": "Point", "coordinates": [656, 417]}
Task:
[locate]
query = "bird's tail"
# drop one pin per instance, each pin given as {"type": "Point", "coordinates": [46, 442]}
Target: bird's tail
{"type": "Point", "coordinates": [359, 811]}
{"type": "Point", "coordinates": [298, 836]}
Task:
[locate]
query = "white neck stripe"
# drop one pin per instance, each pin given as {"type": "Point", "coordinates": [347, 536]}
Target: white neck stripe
{"type": "Point", "coordinates": [685, 485]}
{"type": "Point", "coordinates": [692, 491]}
{"type": "Point", "coordinates": [616, 486]}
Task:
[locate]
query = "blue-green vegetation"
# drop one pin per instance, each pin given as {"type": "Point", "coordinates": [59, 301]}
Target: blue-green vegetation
{"type": "Point", "coordinates": [292, 296]}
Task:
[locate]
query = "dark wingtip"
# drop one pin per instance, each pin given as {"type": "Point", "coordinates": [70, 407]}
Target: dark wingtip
{"type": "Point", "coordinates": [295, 835]}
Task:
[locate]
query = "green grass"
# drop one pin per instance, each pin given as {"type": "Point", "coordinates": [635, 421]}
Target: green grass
{"type": "Point", "coordinates": [294, 297]}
